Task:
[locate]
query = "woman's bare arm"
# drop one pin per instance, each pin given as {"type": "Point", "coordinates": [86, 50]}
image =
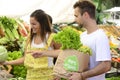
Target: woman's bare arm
{"type": "Point", "coordinates": [14, 62]}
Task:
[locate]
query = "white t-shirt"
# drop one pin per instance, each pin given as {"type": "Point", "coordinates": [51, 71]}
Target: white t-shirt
{"type": "Point", "coordinates": [99, 44]}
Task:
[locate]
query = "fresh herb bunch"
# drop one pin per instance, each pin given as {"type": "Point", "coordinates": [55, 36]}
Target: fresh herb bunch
{"type": "Point", "coordinates": [70, 39]}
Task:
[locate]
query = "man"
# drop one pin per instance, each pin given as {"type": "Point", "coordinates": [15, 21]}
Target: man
{"type": "Point", "coordinates": [96, 39]}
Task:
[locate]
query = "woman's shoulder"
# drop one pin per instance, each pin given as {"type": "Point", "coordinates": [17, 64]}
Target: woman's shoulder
{"type": "Point", "coordinates": [50, 34]}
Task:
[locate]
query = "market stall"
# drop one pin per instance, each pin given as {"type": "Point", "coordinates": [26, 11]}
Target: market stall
{"type": "Point", "coordinates": [14, 29]}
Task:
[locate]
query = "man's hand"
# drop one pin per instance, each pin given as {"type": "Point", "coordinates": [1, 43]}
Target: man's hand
{"type": "Point", "coordinates": [57, 78]}
{"type": "Point", "coordinates": [75, 76]}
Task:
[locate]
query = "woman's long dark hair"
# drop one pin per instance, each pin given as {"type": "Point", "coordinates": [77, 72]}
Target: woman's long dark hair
{"type": "Point", "coordinates": [44, 22]}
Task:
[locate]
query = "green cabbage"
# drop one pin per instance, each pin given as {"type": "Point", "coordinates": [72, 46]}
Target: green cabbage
{"type": "Point", "coordinates": [3, 54]}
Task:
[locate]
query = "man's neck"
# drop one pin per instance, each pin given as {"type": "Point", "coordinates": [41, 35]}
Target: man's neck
{"type": "Point", "coordinates": [91, 27]}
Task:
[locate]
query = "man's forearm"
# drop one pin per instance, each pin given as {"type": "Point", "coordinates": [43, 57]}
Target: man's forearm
{"type": "Point", "coordinates": [102, 67]}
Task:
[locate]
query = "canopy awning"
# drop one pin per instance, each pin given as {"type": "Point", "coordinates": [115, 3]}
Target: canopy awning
{"type": "Point", "coordinates": [60, 10]}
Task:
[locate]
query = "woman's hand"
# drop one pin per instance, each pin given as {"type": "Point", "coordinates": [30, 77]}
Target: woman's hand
{"type": "Point", "coordinates": [4, 63]}
{"type": "Point", "coordinates": [36, 54]}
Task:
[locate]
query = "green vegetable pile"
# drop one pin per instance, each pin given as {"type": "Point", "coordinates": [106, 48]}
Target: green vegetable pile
{"type": "Point", "coordinates": [3, 53]}
{"type": "Point", "coordinates": [17, 70]}
{"type": "Point", "coordinates": [18, 78]}
{"type": "Point", "coordinates": [70, 39]}
{"type": "Point", "coordinates": [113, 78]}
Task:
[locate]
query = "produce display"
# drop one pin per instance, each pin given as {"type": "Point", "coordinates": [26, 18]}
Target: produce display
{"type": "Point", "coordinates": [17, 70]}
{"type": "Point", "coordinates": [113, 78]}
{"type": "Point", "coordinates": [111, 30]}
{"type": "Point", "coordinates": [113, 34]}
{"type": "Point", "coordinates": [13, 33]}
{"type": "Point", "coordinates": [3, 54]}
{"type": "Point", "coordinates": [11, 37]}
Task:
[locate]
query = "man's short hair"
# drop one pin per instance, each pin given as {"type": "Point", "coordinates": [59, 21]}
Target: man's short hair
{"type": "Point", "coordinates": [86, 6]}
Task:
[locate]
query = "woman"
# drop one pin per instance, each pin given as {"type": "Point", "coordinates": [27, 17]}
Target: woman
{"type": "Point", "coordinates": [40, 38]}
